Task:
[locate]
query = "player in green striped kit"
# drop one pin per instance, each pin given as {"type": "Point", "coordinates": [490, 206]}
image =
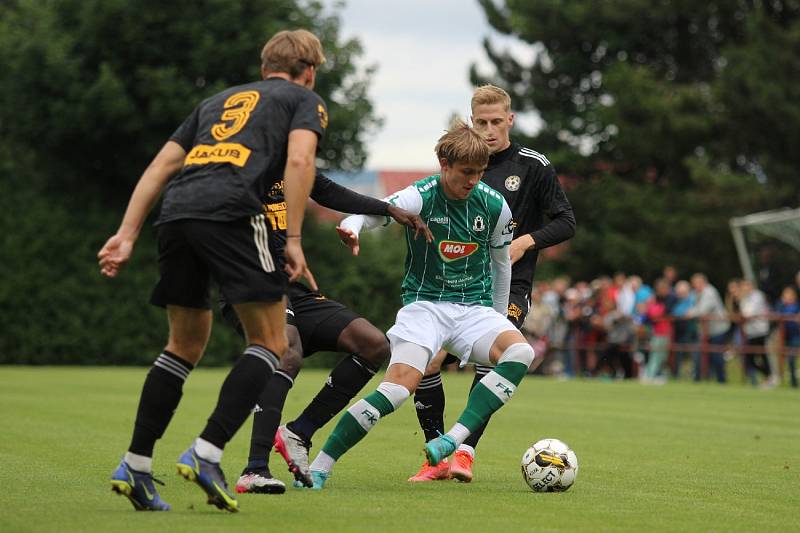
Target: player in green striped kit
{"type": "Point", "coordinates": [455, 296]}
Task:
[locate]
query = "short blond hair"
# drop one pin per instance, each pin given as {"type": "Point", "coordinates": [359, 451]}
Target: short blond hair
{"type": "Point", "coordinates": [462, 144]}
{"type": "Point", "coordinates": [292, 52]}
{"type": "Point", "coordinates": [490, 95]}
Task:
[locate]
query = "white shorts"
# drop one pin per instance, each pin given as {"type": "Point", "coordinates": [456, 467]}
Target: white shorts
{"type": "Point", "coordinates": [451, 326]}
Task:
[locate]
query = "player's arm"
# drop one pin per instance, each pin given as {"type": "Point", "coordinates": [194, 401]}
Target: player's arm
{"type": "Point", "coordinates": [330, 194]}
{"type": "Point", "coordinates": [298, 178]}
{"type": "Point", "coordinates": [501, 278]}
{"type": "Point", "coordinates": [117, 250]}
{"type": "Point", "coordinates": [408, 200]}
{"type": "Point", "coordinates": [499, 252]}
{"type": "Point", "coordinates": [308, 124]}
{"type": "Point", "coordinates": [556, 206]}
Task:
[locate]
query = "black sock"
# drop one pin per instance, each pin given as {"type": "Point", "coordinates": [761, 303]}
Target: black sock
{"type": "Point", "coordinates": [239, 393]}
{"type": "Point", "coordinates": [267, 418]}
{"type": "Point", "coordinates": [475, 436]}
{"type": "Point", "coordinates": [344, 382]}
{"type": "Point", "coordinates": [161, 393]}
{"type": "Point", "coordinates": [429, 402]}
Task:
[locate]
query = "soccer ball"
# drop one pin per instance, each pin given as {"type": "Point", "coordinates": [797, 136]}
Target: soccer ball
{"type": "Point", "coordinates": [549, 466]}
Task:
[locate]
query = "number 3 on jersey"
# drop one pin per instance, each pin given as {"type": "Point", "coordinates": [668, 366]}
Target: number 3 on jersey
{"type": "Point", "coordinates": [237, 112]}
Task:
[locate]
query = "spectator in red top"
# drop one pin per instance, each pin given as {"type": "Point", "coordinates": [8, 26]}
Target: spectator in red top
{"type": "Point", "coordinates": [657, 312]}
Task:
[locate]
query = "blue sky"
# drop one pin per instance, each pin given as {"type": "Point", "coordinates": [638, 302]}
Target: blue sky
{"type": "Point", "coordinates": [423, 50]}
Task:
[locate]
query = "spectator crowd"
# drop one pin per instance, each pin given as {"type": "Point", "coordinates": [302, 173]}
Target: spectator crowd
{"type": "Point", "coordinates": [622, 328]}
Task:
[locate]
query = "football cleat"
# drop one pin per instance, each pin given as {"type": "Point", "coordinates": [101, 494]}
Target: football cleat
{"type": "Point", "coordinates": [210, 478]}
{"type": "Point", "coordinates": [259, 483]}
{"type": "Point", "coordinates": [461, 466]}
{"type": "Point", "coordinates": [439, 448]}
{"type": "Point", "coordinates": [318, 479]}
{"type": "Point", "coordinates": [432, 473]}
{"type": "Point", "coordinates": [294, 451]}
{"type": "Point", "coordinates": [138, 487]}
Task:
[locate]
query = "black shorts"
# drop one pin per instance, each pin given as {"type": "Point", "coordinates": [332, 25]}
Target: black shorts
{"type": "Point", "coordinates": [238, 256]}
{"type": "Point", "coordinates": [319, 320]}
{"type": "Point", "coordinates": [518, 307]}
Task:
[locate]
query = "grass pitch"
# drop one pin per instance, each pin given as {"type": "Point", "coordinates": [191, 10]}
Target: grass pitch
{"type": "Point", "coordinates": [680, 457]}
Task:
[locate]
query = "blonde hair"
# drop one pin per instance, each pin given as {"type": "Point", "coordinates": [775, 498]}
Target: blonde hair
{"type": "Point", "coordinates": [489, 95]}
{"type": "Point", "coordinates": [292, 52]}
{"type": "Point", "coordinates": [462, 144]}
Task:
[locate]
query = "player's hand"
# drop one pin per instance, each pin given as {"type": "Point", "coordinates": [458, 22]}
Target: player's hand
{"type": "Point", "coordinates": [348, 238]}
{"type": "Point", "coordinates": [296, 265]}
{"type": "Point", "coordinates": [410, 220]}
{"type": "Point", "coordinates": [519, 246]}
{"type": "Point", "coordinates": [114, 253]}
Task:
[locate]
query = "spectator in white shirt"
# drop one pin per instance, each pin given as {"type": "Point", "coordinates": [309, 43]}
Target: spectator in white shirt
{"type": "Point", "coordinates": [754, 309]}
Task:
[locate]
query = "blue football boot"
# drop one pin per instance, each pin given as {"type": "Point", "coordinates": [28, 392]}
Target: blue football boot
{"type": "Point", "coordinates": [439, 448]}
{"type": "Point", "coordinates": [210, 478]}
{"type": "Point", "coordinates": [318, 479]}
{"type": "Point", "coordinates": [138, 487]}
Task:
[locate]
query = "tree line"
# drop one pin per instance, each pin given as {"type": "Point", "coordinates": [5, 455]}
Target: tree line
{"type": "Point", "coordinates": [668, 117]}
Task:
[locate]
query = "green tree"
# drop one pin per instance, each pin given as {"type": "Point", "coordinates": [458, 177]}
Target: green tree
{"type": "Point", "coordinates": [676, 115]}
{"type": "Point", "coordinates": [97, 86]}
{"type": "Point", "coordinates": [91, 89]}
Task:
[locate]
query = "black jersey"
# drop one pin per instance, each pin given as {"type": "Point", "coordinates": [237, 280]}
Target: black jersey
{"type": "Point", "coordinates": [326, 193]}
{"type": "Point", "coordinates": [539, 206]}
{"type": "Point", "coordinates": [236, 145]}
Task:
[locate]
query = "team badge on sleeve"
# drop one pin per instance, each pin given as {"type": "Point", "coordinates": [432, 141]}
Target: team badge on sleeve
{"type": "Point", "coordinates": [509, 228]}
{"type": "Point", "coordinates": [513, 183]}
{"type": "Point", "coordinates": [323, 116]}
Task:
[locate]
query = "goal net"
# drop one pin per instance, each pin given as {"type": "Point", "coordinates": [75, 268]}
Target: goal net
{"type": "Point", "coordinates": [768, 239]}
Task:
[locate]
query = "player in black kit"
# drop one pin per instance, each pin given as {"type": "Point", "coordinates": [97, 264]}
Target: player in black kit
{"type": "Point", "coordinates": [542, 216]}
{"type": "Point", "coordinates": [215, 170]}
{"type": "Point", "coordinates": [314, 323]}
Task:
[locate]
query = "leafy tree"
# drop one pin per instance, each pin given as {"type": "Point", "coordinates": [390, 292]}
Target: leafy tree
{"type": "Point", "coordinates": [96, 86]}
{"type": "Point", "coordinates": [90, 90]}
{"type": "Point", "coordinates": [677, 115]}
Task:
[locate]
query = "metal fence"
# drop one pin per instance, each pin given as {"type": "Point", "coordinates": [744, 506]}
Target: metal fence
{"type": "Point", "coordinates": [585, 347]}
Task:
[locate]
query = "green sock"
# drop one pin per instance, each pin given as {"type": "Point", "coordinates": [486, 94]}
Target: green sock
{"type": "Point", "coordinates": [356, 422]}
{"type": "Point", "coordinates": [491, 393]}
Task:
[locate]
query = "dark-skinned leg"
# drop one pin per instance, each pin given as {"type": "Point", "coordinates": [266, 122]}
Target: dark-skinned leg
{"type": "Point", "coordinates": [368, 349]}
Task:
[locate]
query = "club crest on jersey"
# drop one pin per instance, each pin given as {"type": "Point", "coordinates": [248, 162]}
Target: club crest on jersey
{"type": "Point", "coordinates": [477, 224]}
{"type": "Point", "coordinates": [513, 183]}
{"type": "Point", "coordinates": [454, 250]}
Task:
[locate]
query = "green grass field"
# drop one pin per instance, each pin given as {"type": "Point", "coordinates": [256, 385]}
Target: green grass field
{"type": "Point", "coordinates": [680, 457]}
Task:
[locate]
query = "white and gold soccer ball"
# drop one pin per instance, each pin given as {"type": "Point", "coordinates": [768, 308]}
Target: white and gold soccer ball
{"type": "Point", "coordinates": [549, 466]}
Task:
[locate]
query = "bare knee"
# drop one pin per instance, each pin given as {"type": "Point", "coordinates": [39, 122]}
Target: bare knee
{"type": "Point", "coordinates": [264, 323]}
{"type": "Point", "coordinates": [405, 375]}
{"type": "Point", "coordinates": [292, 360]}
{"type": "Point", "coordinates": [189, 330]}
{"type": "Point", "coordinates": [187, 352]}
{"type": "Point", "coordinates": [376, 350]}
{"type": "Point", "coordinates": [361, 337]}
{"type": "Point", "coordinates": [277, 344]}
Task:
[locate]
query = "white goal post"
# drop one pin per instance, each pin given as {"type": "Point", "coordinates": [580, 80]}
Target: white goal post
{"type": "Point", "coordinates": [780, 224]}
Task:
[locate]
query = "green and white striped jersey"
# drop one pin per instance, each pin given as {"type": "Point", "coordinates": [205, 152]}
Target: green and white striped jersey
{"type": "Point", "coordinates": [457, 265]}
